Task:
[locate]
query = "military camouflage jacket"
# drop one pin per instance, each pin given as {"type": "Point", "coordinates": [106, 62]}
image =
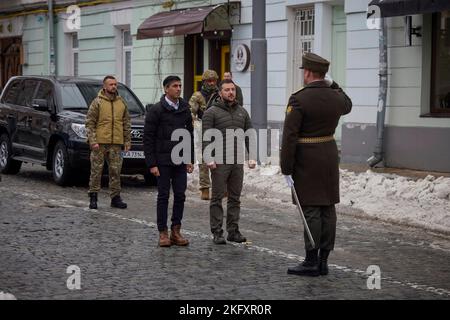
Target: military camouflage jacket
{"type": "Point", "coordinates": [199, 104]}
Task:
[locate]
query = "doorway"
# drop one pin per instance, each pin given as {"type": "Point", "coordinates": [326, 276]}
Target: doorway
{"type": "Point", "coordinates": [11, 58]}
{"type": "Point", "coordinates": [219, 56]}
{"type": "Point", "coordinates": [225, 59]}
{"type": "Point", "coordinates": [203, 53]}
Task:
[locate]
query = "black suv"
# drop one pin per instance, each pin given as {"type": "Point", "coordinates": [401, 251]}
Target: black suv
{"type": "Point", "coordinates": [42, 121]}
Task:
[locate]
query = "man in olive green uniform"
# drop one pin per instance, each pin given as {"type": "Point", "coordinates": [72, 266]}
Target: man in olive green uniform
{"type": "Point", "coordinates": [309, 158]}
{"type": "Point", "coordinates": [108, 128]}
{"type": "Point", "coordinates": [199, 102]}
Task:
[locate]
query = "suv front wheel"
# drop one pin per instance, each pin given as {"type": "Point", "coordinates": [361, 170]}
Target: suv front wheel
{"type": "Point", "coordinates": [7, 165]}
{"type": "Point", "coordinates": [61, 167]}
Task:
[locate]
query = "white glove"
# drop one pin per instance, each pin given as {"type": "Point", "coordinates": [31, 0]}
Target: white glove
{"type": "Point", "coordinates": [328, 80]}
{"type": "Point", "coordinates": [289, 181]}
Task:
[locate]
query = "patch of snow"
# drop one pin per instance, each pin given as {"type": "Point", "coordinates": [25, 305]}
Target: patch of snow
{"type": "Point", "coordinates": [423, 203]}
{"type": "Point", "coordinates": [6, 296]}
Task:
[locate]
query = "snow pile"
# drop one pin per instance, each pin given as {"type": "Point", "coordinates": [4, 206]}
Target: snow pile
{"type": "Point", "coordinates": [393, 198]}
{"type": "Point", "coordinates": [6, 296]}
{"type": "Point", "coordinates": [423, 203]}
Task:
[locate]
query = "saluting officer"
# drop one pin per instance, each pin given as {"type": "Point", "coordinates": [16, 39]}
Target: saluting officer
{"type": "Point", "coordinates": [309, 158]}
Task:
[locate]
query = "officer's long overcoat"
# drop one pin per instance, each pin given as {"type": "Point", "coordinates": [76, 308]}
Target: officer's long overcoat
{"type": "Point", "coordinates": [314, 111]}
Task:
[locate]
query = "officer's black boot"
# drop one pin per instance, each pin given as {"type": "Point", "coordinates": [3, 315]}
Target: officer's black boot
{"type": "Point", "coordinates": [117, 202]}
{"type": "Point", "coordinates": [323, 262]}
{"type": "Point", "coordinates": [309, 267]}
{"type": "Point", "coordinates": [93, 202]}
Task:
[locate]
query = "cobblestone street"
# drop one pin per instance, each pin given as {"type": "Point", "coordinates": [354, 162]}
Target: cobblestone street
{"type": "Point", "coordinates": [44, 229]}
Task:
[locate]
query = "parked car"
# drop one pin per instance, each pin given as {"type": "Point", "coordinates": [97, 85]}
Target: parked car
{"type": "Point", "coordinates": [42, 122]}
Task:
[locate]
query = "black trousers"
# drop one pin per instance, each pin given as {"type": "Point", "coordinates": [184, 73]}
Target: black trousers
{"type": "Point", "coordinates": [322, 224]}
{"type": "Point", "coordinates": [175, 176]}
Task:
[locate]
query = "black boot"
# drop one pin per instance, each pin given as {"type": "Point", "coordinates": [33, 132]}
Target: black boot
{"type": "Point", "coordinates": [93, 202]}
{"type": "Point", "coordinates": [236, 236]}
{"type": "Point", "coordinates": [218, 237]}
{"type": "Point", "coordinates": [309, 267]}
{"type": "Point", "coordinates": [117, 202]}
{"type": "Point", "coordinates": [323, 262]}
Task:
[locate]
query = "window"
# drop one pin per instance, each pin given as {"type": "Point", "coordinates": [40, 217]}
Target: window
{"type": "Point", "coordinates": [440, 78]}
{"type": "Point", "coordinates": [72, 98]}
{"type": "Point", "coordinates": [44, 92]}
{"type": "Point", "coordinates": [12, 93]}
{"type": "Point", "coordinates": [75, 54]}
{"type": "Point", "coordinates": [127, 45]}
{"type": "Point", "coordinates": [303, 40]}
{"type": "Point", "coordinates": [27, 92]}
{"type": "Point", "coordinates": [81, 95]}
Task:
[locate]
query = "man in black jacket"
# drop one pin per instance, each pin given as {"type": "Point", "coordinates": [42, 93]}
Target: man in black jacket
{"type": "Point", "coordinates": [163, 119]}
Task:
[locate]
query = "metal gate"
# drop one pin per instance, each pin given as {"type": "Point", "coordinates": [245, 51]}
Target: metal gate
{"type": "Point", "coordinates": [303, 41]}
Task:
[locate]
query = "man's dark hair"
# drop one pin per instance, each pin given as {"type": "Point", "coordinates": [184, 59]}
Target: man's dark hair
{"type": "Point", "coordinates": [231, 73]}
{"type": "Point", "coordinates": [316, 74]}
{"type": "Point", "coordinates": [169, 80]}
{"type": "Point", "coordinates": [226, 81]}
{"type": "Point", "coordinates": [109, 78]}
{"type": "Point", "coordinates": [319, 74]}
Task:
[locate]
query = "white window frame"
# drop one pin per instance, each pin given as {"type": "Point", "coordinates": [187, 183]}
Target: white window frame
{"type": "Point", "coordinates": [74, 51]}
{"type": "Point", "coordinates": [126, 49]}
{"type": "Point", "coordinates": [303, 41]}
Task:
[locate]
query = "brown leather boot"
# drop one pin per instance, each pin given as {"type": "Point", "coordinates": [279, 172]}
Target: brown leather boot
{"type": "Point", "coordinates": [176, 238]}
{"type": "Point", "coordinates": [164, 240]}
{"type": "Point", "coordinates": [205, 194]}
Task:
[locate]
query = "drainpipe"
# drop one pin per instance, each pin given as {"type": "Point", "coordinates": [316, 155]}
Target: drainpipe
{"type": "Point", "coordinates": [51, 40]}
{"type": "Point", "coordinates": [378, 155]}
{"type": "Point", "coordinates": [259, 66]}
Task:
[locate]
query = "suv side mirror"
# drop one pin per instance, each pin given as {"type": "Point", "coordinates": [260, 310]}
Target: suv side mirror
{"type": "Point", "coordinates": [40, 104]}
{"type": "Point", "coordinates": [148, 107]}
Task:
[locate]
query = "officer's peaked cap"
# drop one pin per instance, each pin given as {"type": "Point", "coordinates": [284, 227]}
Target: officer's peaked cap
{"type": "Point", "coordinates": [315, 63]}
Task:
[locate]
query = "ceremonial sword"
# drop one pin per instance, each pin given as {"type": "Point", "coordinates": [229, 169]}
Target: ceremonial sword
{"type": "Point", "coordinates": [297, 202]}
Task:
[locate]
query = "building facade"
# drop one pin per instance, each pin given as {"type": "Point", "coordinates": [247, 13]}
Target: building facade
{"type": "Point", "coordinates": [107, 42]}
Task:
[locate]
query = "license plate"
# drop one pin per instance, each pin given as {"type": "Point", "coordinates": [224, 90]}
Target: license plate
{"type": "Point", "coordinates": [133, 155]}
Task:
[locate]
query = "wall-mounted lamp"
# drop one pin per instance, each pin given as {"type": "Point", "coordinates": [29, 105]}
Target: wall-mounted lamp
{"type": "Point", "coordinates": [168, 4]}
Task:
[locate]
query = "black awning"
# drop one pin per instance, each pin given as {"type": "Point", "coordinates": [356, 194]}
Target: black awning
{"type": "Point", "coordinates": [177, 22]}
{"type": "Point", "coordinates": [394, 8]}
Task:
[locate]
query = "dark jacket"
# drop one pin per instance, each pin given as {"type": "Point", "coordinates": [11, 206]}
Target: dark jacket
{"type": "Point", "coordinates": [160, 122]}
{"type": "Point", "coordinates": [222, 116]}
{"type": "Point", "coordinates": [314, 111]}
{"type": "Point", "coordinates": [239, 95]}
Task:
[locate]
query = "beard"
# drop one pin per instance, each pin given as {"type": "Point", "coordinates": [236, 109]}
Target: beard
{"type": "Point", "coordinates": [111, 92]}
{"type": "Point", "coordinates": [209, 89]}
{"type": "Point", "coordinates": [229, 99]}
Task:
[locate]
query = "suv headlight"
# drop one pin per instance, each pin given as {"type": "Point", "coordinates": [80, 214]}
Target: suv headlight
{"type": "Point", "coordinates": [80, 130]}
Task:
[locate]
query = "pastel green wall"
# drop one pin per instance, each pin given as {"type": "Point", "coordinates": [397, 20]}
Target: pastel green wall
{"type": "Point", "coordinates": [154, 59]}
{"type": "Point", "coordinates": [339, 55]}
{"type": "Point", "coordinates": [34, 38]}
